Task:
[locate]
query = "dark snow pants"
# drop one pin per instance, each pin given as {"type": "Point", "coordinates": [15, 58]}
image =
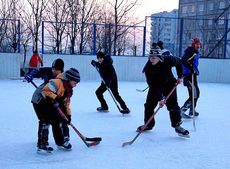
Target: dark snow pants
{"type": "Point", "coordinates": [171, 104]}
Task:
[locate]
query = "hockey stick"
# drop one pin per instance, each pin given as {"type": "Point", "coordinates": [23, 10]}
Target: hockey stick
{"type": "Point", "coordinates": [94, 140]}
{"type": "Point", "coordinates": [193, 103]}
{"type": "Point", "coordinates": [142, 90]}
{"type": "Point", "coordinates": [110, 92]}
{"type": "Point", "coordinates": [146, 124]}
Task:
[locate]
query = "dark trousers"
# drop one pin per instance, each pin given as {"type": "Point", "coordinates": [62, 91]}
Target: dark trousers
{"type": "Point", "coordinates": [188, 83]}
{"type": "Point", "coordinates": [114, 89]}
{"type": "Point", "coordinates": [171, 104]}
{"type": "Point", "coordinates": [47, 116]}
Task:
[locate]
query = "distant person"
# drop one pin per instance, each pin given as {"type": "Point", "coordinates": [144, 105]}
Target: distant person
{"type": "Point", "coordinates": [164, 51]}
{"type": "Point", "coordinates": [161, 81]}
{"type": "Point", "coordinates": [108, 74]}
{"type": "Point", "coordinates": [190, 61]}
{"type": "Point", "coordinates": [35, 61]}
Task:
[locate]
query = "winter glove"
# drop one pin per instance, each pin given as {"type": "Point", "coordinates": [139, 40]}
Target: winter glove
{"type": "Point", "coordinates": [32, 74]}
{"type": "Point", "coordinates": [28, 78]}
{"type": "Point", "coordinates": [94, 63]}
{"type": "Point", "coordinates": [55, 105]}
{"type": "Point", "coordinates": [186, 81]}
{"type": "Point", "coordinates": [69, 119]}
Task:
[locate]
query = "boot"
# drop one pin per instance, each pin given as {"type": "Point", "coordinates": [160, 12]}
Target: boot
{"type": "Point", "coordinates": [191, 113]}
{"type": "Point", "coordinates": [181, 131]}
{"type": "Point", "coordinates": [102, 109]}
{"type": "Point", "coordinates": [66, 145]}
{"type": "Point", "coordinates": [42, 140]}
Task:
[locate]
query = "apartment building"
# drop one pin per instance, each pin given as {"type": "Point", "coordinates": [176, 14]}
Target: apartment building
{"type": "Point", "coordinates": [208, 20]}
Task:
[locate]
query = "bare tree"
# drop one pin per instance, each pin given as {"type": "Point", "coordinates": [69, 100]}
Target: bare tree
{"type": "Point", "coordinates": [74, 7]}
{"type": "Point", "coordinates": [57, 13]}
{"type": "Point", "coordinates": [8, 26]}
{"type": "Point", "coordinates": [35, 12]}
{"type": "Point", "coordinates": [87, 16]}
{"type": "Point", "coordinates": [121, 9]}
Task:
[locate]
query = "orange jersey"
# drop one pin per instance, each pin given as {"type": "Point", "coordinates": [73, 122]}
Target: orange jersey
{"type": "Point", "coordinates": [55, 88]}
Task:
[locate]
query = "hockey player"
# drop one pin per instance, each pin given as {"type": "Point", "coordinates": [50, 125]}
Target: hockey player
{"type": "Point", "coordinates": [161, 81]}
{"type": "Point", "coordinates": [190, 68]}
{"type": "Point", "coordinates": [47, 73]}
{"type": "Point", "coordinates": [108, 74]}
{"type": "Point", "coordinates": [163, 50]}
{"type": "Point", "coordinates": [56, 93]}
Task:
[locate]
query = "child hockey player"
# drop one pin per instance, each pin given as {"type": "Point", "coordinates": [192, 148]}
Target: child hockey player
{"type": "Point", "coordinates": [161, 81]}
{"type": "Point", "coordinates": [109, 81]}
{"type": "Point", "coordinates": [56, 93]}
{"type": "Point", "coordinates": [190, 68]}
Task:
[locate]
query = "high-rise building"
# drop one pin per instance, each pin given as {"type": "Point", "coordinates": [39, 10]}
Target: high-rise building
{"type": "Point", "coordinates": [164, 28]}
{"type": "Point", "coordinates": [208, 20]}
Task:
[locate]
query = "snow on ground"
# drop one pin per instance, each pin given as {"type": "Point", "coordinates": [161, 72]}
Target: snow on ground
{"type": "Point", "coordinates": [161, 148]}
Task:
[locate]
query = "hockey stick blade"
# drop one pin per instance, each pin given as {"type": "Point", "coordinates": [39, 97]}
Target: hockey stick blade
{"type": "Point", "coordinates": [139, 90]}
{"type": "Point", "coordinates": [142, 90]}
{"type": "Point", "coordinates": [94, 143]}
{"type": "Point", "coordinates": [93, 139]}
{"type": "Point", "coordinates": [127, 143]}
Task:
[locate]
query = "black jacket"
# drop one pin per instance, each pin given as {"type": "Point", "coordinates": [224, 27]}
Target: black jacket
{"type": "Point", "coordinates": [160, 75]}
{"type": "Point", "coordinates": [107, 71]}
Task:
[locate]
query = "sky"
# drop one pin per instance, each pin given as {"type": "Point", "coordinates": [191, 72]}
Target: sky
{"type": "Point", "coordinates": [148, 7]}
{"type": "Point", "coordinates": [161, 148]}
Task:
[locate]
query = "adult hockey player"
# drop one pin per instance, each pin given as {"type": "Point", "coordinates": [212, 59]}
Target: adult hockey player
{"type": "Point", "coordinates": [161, 81]}
{"type": "Point", "coordinates": [107, 72]}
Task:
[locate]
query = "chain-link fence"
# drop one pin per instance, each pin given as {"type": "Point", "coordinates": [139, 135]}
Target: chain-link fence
{"type": "Point", "coordinates": [177, 35]}
{"type": "Point", "coordinates": [87, 38]}
{"type": "Point", "coordinates": [124, 40]}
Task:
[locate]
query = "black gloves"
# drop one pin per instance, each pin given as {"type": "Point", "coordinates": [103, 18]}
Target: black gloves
{"type": "Point", "coordinates": [57, 102]}
{"type": "Point", "coordinates": [69, 119]}
{"type": "Point", "coordinates": [55, 105]}
{"type": "Point", "coordinates": [94, 63]}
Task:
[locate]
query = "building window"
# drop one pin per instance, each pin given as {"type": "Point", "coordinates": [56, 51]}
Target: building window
{"type": "Point", "coordinates": [201, 7]}
{"type": "Point", "coordinates": [222, 5]}
{"type": "Point", "coordinates": [221, 20]}
{"type": "Point", "coordinates": [210, 6]}
{"type": "Point", "coordinates": [200, 22]}
{"type": "Point", "coordinates": [209, 22]}
{"type": "Point", "coordinates": [192, 8]}
{"type": "Point", "coordinates": [184, 9]}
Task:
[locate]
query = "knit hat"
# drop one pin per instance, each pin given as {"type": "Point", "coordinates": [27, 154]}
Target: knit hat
{"type": "Point", "coordinates": [160, 44]}
{"type": "Point", "coordinates": [58, 64]}
{"type": "Point", "coordinates": [196, 41]}
{"type": "Point", "coordinates": [156, 52]}
{"type": "Point", "coordinates": [72, 74]}
{"type": "Point", "coordinates": [100, 55]}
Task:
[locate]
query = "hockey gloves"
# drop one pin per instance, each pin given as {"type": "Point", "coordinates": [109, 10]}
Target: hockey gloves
{"type": "Point", "coordinates": [94, 63]}
{"type": "Point", "coordinates": [29, 76]}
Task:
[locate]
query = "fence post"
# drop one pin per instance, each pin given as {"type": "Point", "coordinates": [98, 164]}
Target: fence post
{"type": "Point", "coordinates": [225, 38]}
{"type": "Point", "coordinates": [181, 37]}
{"type": "Point", "coordinates": [94, 38]}
{"type": "Point", "coordinates": [42, 37]}
{"type": "Point", "coordinates": [19, 37]}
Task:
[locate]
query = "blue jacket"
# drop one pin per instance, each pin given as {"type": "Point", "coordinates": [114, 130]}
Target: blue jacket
{"type": "Point", "coordinates": [190, 61]}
